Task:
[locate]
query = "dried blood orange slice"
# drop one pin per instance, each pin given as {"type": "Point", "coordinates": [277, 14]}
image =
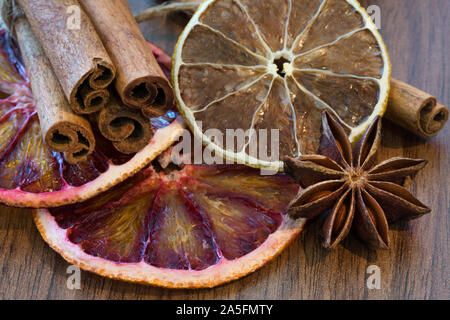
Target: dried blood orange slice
{"type": "Point", "coordinates": [259, 65]}
{"type": "Point", "coordinates": [196, 227]}
{"type": "Point", "coordinates": [33, 176]}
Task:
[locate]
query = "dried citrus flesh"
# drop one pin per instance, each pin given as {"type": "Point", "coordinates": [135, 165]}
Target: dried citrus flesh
{"type": "Point", "coordinates": [33, 176]}
{"type": "Point", "coordinates": [196, 227]}
{"type": "Point", "coordinates": [277, 64]}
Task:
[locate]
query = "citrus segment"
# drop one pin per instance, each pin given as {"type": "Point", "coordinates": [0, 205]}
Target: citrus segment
{"type": "Point", "coordinates": [358, 55]}
{"type": "Point", "coordinates": [239, 224]}
{"type": "Point", "coordinates": [273, 192]}
{"type": "Point", "coordinates": [351, 98]}
{"type": "Point", "coordinates": [230, 16]}
{"type": "Point", "coordinates": [313, 56]}
{"type": "Point", "coordinates": [277, 113]}
{"type": "Point", "coordinates": [307, 119]}
{"type": "Point", "coordinates": [334, 19]}
{"type": "Point", "coordinates": [118, 232]}
{"type": "Point", "coordinates": [217, 80]}
{"type": "Point", "coordinates": [199, 226]}
{"type": "Point", "coordinates": [302, 12]}
{"type": "Point", "coordinates": [31, 175]}
{"type": "Point", "coordinates": [253, 95]}
{"type": "Point", "coordinates": [209, 45]}
{"type": "Point", "coordinates": [10, 129]}
{"type": "Point", "coordinates": [24, 166]}
{"type": "Point", "coordinates": [10, 69]}
{"type": "Point", "coordinates": [180, 237]}
{"type": "Point", "coordinates": [263, 14]}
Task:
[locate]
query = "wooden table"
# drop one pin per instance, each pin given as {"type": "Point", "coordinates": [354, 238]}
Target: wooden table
{"type": "Point", "coordinates": [417, 266]}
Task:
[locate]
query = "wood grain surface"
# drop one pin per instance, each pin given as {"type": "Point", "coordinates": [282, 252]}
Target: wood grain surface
{"type": "Point", "coordinates": [417, 266]}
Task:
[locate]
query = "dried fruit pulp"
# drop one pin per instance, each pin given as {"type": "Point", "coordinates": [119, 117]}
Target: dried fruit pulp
{"type": "Point", "coordinates": [31, 175]}
{"type": "Point", "coordinates": [196, 227]}
{"type": "Point", "coordinates": [277, 64]}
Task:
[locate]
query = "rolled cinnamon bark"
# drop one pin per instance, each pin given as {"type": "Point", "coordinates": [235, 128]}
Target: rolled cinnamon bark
{"type": "Point", "coordinates": [95, 98]}
{"type": "Point", "coordinates": [78, 57]}
{"type": "Point", "coordinates": [415, 110]}
{"type": "Point", "coordinates": [128, 130]}
{"type": "Point", "coordinates": [140, 81]}
{"type": "Point", "coordinates": [62, 130]}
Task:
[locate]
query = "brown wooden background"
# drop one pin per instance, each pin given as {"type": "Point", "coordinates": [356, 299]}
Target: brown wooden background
{"type": "Point", "coordinates": [417, 33]}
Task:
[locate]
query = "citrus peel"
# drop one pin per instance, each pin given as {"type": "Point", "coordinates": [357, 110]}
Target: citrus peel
{"type": "Point", "coordinates": [197, 227]}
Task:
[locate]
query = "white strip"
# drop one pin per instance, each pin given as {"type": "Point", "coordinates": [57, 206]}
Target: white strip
{"type": "Point", "coordinates": [231, 66]}
{"type": "Point", "coordinates": [294, 116]}
{"type": "Point", "coordinates": [252, 125]}
{"type": "Point", "coordinates": [286, 29]}
{"type": "Point", "coordinates": [342, 75]}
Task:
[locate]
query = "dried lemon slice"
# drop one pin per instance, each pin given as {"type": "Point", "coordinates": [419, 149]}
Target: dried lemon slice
{"type": "Point", "coordinates": [256, 65]}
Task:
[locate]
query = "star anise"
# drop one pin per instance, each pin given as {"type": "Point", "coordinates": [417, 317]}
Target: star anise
{"type": "Point", "coordinates": [358, 192]}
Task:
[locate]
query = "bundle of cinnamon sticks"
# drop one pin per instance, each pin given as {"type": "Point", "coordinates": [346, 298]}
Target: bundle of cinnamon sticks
{"type": "Point", "coordinates": [88, 58]}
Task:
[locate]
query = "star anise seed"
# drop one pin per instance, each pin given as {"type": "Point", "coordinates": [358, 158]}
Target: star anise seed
{"type": "Point", "coordinates": [357, 193]}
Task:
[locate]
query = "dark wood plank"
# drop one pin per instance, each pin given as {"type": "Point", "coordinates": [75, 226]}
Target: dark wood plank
{"type": "Point", "coordinates": [417, 266]}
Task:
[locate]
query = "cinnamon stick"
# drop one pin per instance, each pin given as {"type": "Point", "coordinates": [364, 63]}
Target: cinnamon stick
{"type": "Point", "coordinates": [96, 99]}
{"type": "Point", "coordinates": [62, 130]}
{"type": "Point", "coordinates": [79, 59]}
{"type": "Point", "coordinates": [140, 81]}
{"type": "Point", "coordinates": [415, 110]}
{"type": "Point", "coordinates": [128, 130]}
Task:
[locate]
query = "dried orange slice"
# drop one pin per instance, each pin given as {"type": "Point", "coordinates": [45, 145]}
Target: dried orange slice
{"type": "Point", "coordinates": [200, 226]}
{"type": "Point", "coordinates": [33, 176]}
{"type": "Point", "coordinates": [256, 65]}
